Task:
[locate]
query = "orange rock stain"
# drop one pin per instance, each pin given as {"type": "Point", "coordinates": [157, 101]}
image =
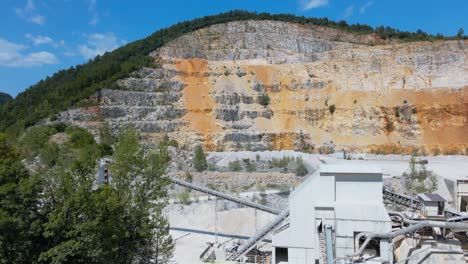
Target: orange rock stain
{"type": "Point", "coordinates": [197, 99]}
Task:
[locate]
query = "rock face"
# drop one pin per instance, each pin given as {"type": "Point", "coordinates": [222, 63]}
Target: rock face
{"type": "Point", "coordinates": [325, 88]}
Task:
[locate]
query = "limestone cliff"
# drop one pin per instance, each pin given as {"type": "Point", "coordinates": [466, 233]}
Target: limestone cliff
{"type": "Point", "coordinates": [326, 88]}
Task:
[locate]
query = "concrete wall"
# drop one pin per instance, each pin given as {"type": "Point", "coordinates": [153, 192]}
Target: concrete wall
{"type": "Point", "coordinates": [431, 208]}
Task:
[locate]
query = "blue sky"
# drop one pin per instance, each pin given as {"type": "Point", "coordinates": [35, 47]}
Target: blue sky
{"type": "Point", "coordinates": [38, 38]}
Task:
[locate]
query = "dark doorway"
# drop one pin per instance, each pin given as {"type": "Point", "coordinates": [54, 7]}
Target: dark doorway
{"type": "Point", "coordinates": [281, 255]}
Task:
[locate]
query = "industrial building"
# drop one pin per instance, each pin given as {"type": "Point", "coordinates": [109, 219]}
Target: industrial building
{"type": "Point", "coordinates": [344, 201]}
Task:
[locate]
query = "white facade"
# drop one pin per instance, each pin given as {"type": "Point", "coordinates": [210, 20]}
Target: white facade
{"type": "Point", "coordinates": [348, 198]}
{"type": "Point", "coordinates": [462, 196]}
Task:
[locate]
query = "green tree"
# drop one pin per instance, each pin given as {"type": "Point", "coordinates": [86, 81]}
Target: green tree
{"type": "Point", "coordinates": [117, 223]}
{"type": "Point", "coordinates": [199, 162]}
{"type": "Point", "coordinates": [142, 188]}
{"type": "Point", "coordinates": [460, 33]}
{"type": "Point", "coordinates": [5, 98]}
{"type": "Point", "coordinates": [420, 179]}
{"type": "Point", "coordinates": [20, 220]}
{"type": "Point", "coordinates": [264, 99]}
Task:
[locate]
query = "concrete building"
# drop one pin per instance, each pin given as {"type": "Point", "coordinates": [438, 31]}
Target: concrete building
{"type": "Point", "coordinates": [345, 200]}
{"type": "Point", "coordinates": [433, 205]}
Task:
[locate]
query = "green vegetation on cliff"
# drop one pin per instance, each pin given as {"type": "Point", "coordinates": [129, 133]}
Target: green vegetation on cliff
{"type": "Point", "coordinates": [68, 88]}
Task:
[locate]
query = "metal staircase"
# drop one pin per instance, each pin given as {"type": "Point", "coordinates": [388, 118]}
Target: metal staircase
{"type": "Point", "coordinates": [251, 242]}
{"type": "Point", "coordinates": [323, 248]}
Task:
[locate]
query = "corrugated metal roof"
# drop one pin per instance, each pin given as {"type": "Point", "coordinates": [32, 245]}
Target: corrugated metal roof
{"type": "Point", "coordinates": [431, 197]}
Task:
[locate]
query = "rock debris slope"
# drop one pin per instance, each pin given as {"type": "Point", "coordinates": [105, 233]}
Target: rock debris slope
{"type": "Point", "coordinates": [326, 88]}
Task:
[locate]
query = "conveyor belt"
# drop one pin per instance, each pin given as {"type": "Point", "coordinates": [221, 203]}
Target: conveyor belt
{"type": "Point", "coordinates": [251, 242]}
{"type": "Point", "coordinates": [400, 199]}
{"type": "Point", "coordinates": [406, 201]}
{"type": "Point", "coordinates": [226, 196]}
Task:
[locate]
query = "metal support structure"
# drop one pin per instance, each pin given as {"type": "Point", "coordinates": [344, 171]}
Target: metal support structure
{"type": "Point", "coordinates": [216, 220]}
{"type": "Point", "coordinates": [329, 240]}
{"type": "Point", "coordinates": [226, 196]}
{"type": "Point", "coordinates": [409, 229]}
{"type": "Point", "coordinates": [251, 242]}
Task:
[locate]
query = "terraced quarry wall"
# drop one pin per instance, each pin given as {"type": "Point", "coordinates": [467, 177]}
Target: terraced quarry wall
{"type": "Point", "coordinates": [327, 88]}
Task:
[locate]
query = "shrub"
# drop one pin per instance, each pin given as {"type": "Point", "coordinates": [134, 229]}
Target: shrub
{"type": "Point", "coordinates": [211, 166]}
{"type": "Point", "coordinates": [34, 140]}
{"type": "Point", "coordinates": [420, 179]}
{"type": "Point", "coordinates": [284, 189]}
{"type": "Point", "coordinates": [332, 109]}
{"type": "Point", "coordinates": [49, 154]}
{"type": "Point", "coordinates": [166, 141]}
{"type": "Point", "coordinates": [79, 136]}
{"type": "Point", "coordinates": [235, 166]}
{"type": "Point", "coordinates": [200, 163]}
{"type": "Point", "coordinates": [389, 126]}
{"type": "Point", "coordinates": [257, 157]}
{"type": "Point", "coordinates": [264, 99]}
{"type": "Point", "coordinates": [397, 111]}
{"type": "Point", "coordinates": [105, 150]}
{"type": "Point", "coordinates": [251, 167]}
{"type": "Point", "coordinates": [184, 197]}
{"type": "Point", "coordinates": [301, 169]}
{"type": "Point", "coordinates": [280, 163]}
{"type": "Point", "coordinates": [188, 176]}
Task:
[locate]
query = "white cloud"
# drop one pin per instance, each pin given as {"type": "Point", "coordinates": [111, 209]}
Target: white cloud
{"type": "Point", "coordinates": [94, 13]}
{"type": "Point", "coordinates": [42, 40]}
{"type": "Point", "coordinates": [94, 20]}
{"type": "Point", "coordinates": [363, 8]}
{"type": "Point", "coordinates": [11, 56]}
{"type": "Point", "coordinates": [37, 19]}
{"type": "Point", "coordinates": [98, 44]}
{"type": "Point", "coordinates": [28, 12]}
{"type": "Point", "coordinates": [38, 40]}
{"type": "Point", "coordinates": [310, 4]}
{"type": "Point", "coordinates": [348, 11]}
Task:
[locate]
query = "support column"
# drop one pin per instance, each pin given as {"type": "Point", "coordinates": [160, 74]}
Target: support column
{"type": "Point", "coordinates": [386, 251]}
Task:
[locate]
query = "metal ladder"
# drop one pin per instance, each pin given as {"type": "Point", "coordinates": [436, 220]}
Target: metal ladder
{"type": "Point", "coordinates": [323, 248]}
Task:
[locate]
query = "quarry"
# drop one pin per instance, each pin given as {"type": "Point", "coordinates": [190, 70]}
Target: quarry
{"type": "Point", "coordinates": [322, 146]}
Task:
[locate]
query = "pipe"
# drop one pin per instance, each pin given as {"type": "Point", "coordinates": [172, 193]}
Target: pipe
{"type": "Point", "coordinates": [404, 219]}
{"type": "Point", "coordinates": [329, 243]}
{"type": "Point", "coordinates": [410, 229]}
